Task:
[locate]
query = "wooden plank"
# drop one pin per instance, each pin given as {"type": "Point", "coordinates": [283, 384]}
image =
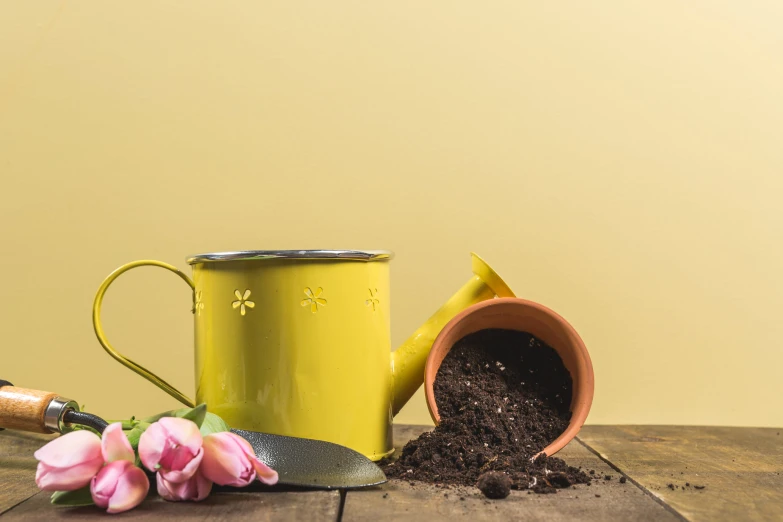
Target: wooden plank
{"type": "Point", "coordinates": [741, 468]}
{"type": "Point", "coordinates": [277, 506]}
{"type": "Point", "coordinates": [399, 500]}
{"type": "Point", "coordinates": [17, 466]}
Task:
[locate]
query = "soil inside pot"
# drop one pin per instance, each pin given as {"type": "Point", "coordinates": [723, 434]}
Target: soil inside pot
{"type": "Point", "coordinates": [503, 396]}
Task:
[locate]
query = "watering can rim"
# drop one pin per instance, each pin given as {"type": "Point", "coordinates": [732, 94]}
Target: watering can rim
{"type": "Point", "coordinates": [256, 255]}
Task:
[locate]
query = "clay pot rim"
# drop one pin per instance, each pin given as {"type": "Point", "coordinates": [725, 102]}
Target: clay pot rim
{"type": "Point", "coordinates": [580, 406]}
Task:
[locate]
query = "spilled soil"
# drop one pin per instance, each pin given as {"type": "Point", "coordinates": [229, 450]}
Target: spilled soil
{"type": "Point", "coordinates": [503, 396]}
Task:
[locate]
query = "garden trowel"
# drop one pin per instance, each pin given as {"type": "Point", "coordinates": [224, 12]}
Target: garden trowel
{"type": "Point", "coordinates": [298, 462]}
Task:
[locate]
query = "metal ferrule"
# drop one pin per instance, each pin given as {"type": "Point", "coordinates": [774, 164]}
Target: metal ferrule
{"type": "Point", "coordinates": [53, 416]}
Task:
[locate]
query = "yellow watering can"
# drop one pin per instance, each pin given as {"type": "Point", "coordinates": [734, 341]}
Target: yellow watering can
{"type": "Point", "coordinates": [297, 342]}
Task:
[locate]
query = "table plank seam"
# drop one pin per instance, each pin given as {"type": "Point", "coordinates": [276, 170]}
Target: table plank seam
{"type": "Point", "coordinates": [341, 509]}
{"type": "Point", "coordinates": [632, 481]}
{"type": "Point", "coordinates": [18, 503]}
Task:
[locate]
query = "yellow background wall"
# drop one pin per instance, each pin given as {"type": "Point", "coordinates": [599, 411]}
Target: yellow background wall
{"type": "Point", "coordinates": [620, 162]}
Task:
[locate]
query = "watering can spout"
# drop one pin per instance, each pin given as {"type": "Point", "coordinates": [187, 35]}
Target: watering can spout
{"type": "Point", "coordinates": [407, 361]}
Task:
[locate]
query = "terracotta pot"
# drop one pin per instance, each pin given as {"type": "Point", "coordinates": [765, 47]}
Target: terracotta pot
{"type": "Point", "coordinates": [526, 316]}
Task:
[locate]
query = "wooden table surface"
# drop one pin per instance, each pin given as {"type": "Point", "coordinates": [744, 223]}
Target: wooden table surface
{"type": "Point", "coordinates": [740, 469]}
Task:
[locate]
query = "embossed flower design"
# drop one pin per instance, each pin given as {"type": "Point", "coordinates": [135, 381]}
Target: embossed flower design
{"type": "Point", "coordinates": [373, 300]}
{"type": "Point", "coordinates": [242, 301]}
{"type": "Point", "coordinates": [314, 299]}
{"type": "Point", "coordinates": [198, 304]}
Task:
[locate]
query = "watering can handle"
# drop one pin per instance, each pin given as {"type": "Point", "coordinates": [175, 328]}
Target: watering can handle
{"type": "Point", "coordinates": [96, 322]}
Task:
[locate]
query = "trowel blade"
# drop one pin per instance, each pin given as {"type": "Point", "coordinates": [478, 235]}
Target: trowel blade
{"type": "Point", "coordinates": [313, 463]}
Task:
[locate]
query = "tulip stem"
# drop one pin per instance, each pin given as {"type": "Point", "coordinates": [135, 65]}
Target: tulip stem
{"type": "Point", "coordinates": [126, 424]}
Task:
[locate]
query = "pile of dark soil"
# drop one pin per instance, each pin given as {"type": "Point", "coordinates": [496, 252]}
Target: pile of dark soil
{"type": "Point", "coordinates": [503, 396]}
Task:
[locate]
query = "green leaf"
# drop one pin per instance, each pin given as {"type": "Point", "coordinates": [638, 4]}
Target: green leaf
{"type": "Point", "coordinates": [135, 434]}
{"type": "Point", "coordinates": [78, 497]}
{"type": "Point", "coordinates": [213, 424]}
{"type": "Point", "coordinates": [196, 414]}
{"type": "Point", "coordinates": [207, 422]}
{"type": "Point", "coordinates": [159, 416]}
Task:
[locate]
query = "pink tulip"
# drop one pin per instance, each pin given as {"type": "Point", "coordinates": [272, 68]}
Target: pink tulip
{"type": "Point", "coordinates": [229, 460]}
{"type": "Point", "coordinates": [119, 486]}
{"type": "Point", "coordinates": [68, 462]}
{"type": "Point", "coordinates": [172, 447]}
{"type": "Point", "coordinates": [115, 444]}
{"type": "Point", "coordinates": [196, 488]}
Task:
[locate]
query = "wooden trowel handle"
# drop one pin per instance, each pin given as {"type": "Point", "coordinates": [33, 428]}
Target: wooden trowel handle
{"type": "Point", "coordinates": [32, 410]}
